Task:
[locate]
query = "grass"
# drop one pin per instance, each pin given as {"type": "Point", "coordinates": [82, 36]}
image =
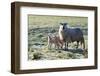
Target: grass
{"type": "Point", "coordinates": [38, 29]}
{"type": "Point", "coordinates": [39, 20]}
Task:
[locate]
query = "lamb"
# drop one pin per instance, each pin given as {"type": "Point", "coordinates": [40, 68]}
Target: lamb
{"type": "Point", "coordinates": [54, 40]}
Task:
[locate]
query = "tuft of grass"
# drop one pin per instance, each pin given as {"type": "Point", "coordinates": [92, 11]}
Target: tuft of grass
{"type": "Point", "coordinates": [70, 55]}
{"type": "Point", "coordinates": [37, 56]}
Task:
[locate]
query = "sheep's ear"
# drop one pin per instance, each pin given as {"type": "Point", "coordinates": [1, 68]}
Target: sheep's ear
{"type": "Point", "coordinates": [61, 23]}
{"type": "Point", "coordinates": [66, 23]}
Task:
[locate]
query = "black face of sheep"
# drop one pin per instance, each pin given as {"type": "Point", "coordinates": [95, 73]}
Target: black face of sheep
{"type": "Point", "coordinates": [64, 25]}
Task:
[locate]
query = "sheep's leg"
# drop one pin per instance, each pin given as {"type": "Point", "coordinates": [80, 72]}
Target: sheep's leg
{"type": "Point", "coordinates": [50, 46]}
{"type": "Point", "coordinates": [58, 47]}
{"type": "Point", "coordinates": [67, 45]}
{"type": "Point", "coordinates": [61, 46]}
{"type": "Point", "coordinates": [55, 46]}
{"type": "Point", "coordinates": [77, 44]}
{"type": "Point", "coordinates": [66, 48]}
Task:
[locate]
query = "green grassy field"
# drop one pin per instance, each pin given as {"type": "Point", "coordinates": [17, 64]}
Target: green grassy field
{"type": "Point", "coordinates": [38, 29]}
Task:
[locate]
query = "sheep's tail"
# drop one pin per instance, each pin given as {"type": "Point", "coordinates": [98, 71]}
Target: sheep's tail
{"type": "Point", "coordinates": [83, 42]}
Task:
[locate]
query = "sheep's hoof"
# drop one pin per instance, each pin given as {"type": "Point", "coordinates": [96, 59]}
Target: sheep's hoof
{"type": "Point", "coordinates": [66, 49]}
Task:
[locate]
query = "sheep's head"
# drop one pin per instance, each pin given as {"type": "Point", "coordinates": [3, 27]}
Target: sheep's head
{"type": "Point", "coordinates": [63, 25]}
{"type": "Point", "coordinates": [61, 30]}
